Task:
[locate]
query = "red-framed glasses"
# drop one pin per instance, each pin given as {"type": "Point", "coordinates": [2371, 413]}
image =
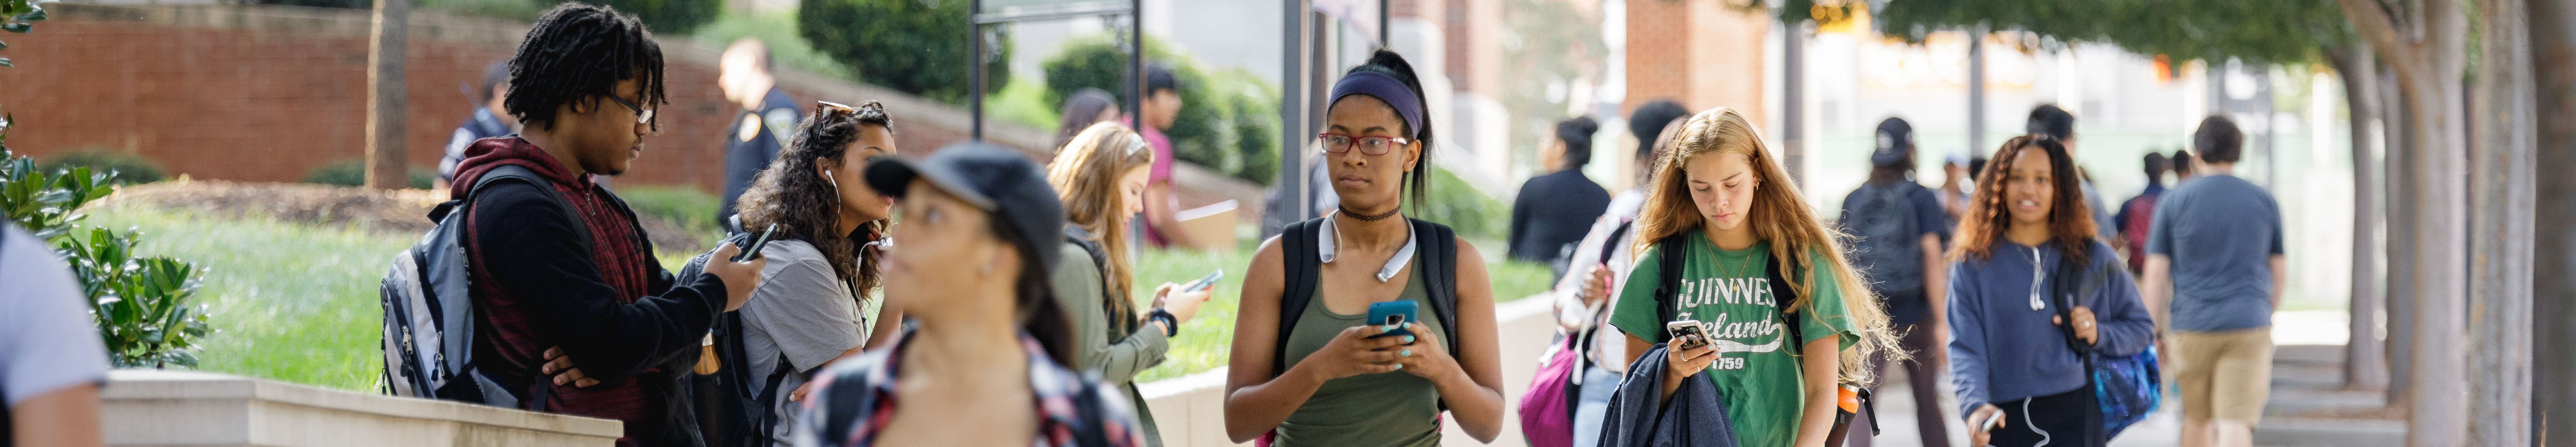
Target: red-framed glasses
{"type": "Point", "coordinates": [1336, 143]}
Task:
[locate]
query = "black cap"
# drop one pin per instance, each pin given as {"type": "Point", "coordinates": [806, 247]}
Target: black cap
{"type": "Point", "coordinates": [998, 180]}
{"type": "Point", "coordinates": [1894, 138]}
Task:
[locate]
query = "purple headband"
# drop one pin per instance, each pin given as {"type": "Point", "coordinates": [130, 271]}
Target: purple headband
{"type": "Point", "coordinates": [1384, 88]}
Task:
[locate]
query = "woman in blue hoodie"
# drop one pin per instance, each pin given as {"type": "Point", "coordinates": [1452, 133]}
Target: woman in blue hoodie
{"type": "Point", "coordinates": [2009, 354]}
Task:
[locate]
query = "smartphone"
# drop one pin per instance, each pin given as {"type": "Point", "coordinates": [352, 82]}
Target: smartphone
{"type": "Point", "coordinates": [751, 250]}
{"type": "Point", "coordinates": [1992, 422]}
{"type": "Point", "coordinates": [1687, 334]}
{"type": "Point", "coordinates": [1204, 282]}
{"type": "Point", "coordinates": [1393, 313]}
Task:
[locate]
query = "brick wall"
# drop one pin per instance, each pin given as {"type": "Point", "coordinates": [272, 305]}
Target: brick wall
{"type": "Point", "coordinates": [270, 93]}
{"type": "Point", "coordinates": [1705, 54]}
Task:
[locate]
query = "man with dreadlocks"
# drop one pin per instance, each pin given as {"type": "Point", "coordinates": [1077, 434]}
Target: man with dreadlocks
{"type": "Point", "coordinates": [560, 269]}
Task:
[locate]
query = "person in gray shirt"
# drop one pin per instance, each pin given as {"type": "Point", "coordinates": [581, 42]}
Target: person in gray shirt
{"type": "Point", "coordinates": [2214, 255]}
{"type": "Point", "coordinates": [51, 360]}
{"type": "Point", "coordinates": [813, 305]}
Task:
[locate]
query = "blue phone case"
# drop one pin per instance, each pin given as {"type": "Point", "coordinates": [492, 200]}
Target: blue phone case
{"type": "Point", "coordinates": [1399, 312]}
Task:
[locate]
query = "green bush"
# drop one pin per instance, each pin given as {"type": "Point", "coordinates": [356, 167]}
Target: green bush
{"type": "Point", "coordinates": [1453, 202]}
{"type": "Point", "coordinates": [141, 305]}
{"type": "Point", "coordinates": [787, 46]}
{"type": "Point", "coordinates": [1228, 119]}
{"type": "Point", "coordinates": [353, 172]}
{"type": "Point", "coordinates": [913, 46]}
{"type": "Point", "coordinates": [121, 168]}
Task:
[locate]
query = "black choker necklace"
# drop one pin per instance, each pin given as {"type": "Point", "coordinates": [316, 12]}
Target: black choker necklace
{"type": "Point", "coordinates": [1346, 211]}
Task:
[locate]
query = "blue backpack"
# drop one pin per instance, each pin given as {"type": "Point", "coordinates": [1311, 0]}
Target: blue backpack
{"type": "Point", "coordinates": [2126, 387]}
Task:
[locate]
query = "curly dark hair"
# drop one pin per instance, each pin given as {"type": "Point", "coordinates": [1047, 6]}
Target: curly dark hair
{"type": "Point", "coordinates": [576, 54]}
{"type": "Point", "coordinates": [806, 208]}
{"type": "Point", "coordinates": [1984, 224]}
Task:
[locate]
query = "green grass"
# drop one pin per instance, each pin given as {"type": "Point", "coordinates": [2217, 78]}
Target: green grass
{"type": "Point", "coordinates": [293, 303]}
{"type": "Point", "coordinates": [298, 303]}
{"type": "Point", "coordinates": [1023, 101]}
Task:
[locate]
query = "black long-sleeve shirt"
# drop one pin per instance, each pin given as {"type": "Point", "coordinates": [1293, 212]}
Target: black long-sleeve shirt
{"type": "Point", "coordinates": [1553, 211]}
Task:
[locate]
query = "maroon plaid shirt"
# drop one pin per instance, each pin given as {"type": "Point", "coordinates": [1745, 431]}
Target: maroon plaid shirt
{"type": "Point", "coordinates": [509, 346]}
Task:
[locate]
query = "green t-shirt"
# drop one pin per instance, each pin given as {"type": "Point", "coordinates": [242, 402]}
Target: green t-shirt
{"type": "Point", "coordinates": [1731, 291]}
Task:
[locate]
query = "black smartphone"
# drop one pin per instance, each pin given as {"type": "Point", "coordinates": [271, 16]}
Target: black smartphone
{"type": "Point", "coordinates": [1687, 334]}
{"type": "Point", "coordinates": [751, 250]}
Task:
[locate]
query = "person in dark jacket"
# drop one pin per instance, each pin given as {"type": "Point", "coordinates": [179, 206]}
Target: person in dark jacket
{"type": "Point", "coordinates": [568, 291]}
{"type": "Point", "coordinates": [2009, 355]}
{"type": "Point", "coordinates": [768, 116]}
{"type": "Point", "coordinates": [1554, 210]}
{"type": "Point", "coordinates": [489, 119]}
{"type": "Point", "coordinates": [1641, 414]}
{"type": "Point", "coordinates": [1899, 229]}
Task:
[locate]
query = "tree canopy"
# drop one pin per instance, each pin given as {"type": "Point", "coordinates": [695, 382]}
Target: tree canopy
{"type": "Point", "coordinates": [2274, 31]}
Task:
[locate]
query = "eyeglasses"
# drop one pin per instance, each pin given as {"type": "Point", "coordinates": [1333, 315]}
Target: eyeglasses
{"type": "Point", "coordinates": [643, 116]}
{"type": "Point", "coordinates": [1335, 143]}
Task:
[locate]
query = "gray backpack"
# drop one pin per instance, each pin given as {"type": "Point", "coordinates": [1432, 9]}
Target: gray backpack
{"type": "Point", "coordinates": [429, 329]}
{"type": "Point", "coordinates": [1889, 248]}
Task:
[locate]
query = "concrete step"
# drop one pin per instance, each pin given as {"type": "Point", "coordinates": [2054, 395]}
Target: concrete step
{"type": "Point", "coordinates": [2293, 401]}
{"type": "Point", "coordinates": [2319, 432]}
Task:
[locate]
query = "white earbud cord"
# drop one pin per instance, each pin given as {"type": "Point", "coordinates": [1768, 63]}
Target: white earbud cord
{"type": "Point", "coordinates": [2036, 273]}
{"type": "Point", "coordinates": [2027, 421]}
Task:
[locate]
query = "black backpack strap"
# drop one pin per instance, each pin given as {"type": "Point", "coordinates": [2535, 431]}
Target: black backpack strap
{"type": "Point", "coordinates": [1099, 262]}
{"type": "Point", "coordinates": [1781, 295]}
{"type": "Point", "coordinates": [1611, 245]}
{"type": "Point", "coordinates": [1668, 275]}
{"type": "Point", "coordinates": [1436, 249]}
{"type": "Point", "coordinates": [1299, 264]}
{"type": "Point", "coordinates": [2067, 281]}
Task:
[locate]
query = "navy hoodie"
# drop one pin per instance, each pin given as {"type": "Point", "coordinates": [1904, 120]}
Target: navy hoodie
{"type": "Point", "coordinates": [2001, 349]}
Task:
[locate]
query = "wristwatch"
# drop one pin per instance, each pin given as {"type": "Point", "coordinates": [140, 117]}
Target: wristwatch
{"type": "Point", "coordinates": [1171, 325]}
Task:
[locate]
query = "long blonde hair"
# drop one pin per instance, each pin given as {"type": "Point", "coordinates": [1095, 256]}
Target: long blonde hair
{"type": "Point", "coordinates": [1085, 174]}
{"type": "Point", "coordinates": [1779, 215]}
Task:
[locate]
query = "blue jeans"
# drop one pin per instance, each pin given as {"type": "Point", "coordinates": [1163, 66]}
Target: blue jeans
{"type": "Point", "coordinates": [1598, 385]}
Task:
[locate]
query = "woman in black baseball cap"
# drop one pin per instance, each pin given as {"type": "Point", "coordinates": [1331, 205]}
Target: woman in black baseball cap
{"type": "Point", "coordinates": [983, 362]}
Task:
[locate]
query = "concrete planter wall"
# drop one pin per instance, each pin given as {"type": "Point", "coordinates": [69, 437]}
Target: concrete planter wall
{"type": "Point", "coordinates": [185, 408]}
{"type": "Point", "coordinates": [1190, 410]}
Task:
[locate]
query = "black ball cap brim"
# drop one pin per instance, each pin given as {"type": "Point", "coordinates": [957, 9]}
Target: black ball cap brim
{"type": "Point", "coordinates": [998, 180]}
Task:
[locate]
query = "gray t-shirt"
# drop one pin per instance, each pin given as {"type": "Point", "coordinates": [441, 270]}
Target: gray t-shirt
{"type": "Point", "coordinates": [2221, 233]}
{"type": "Point", "coordinates": [804, 311]}
{"type": "Point", "coordinates": [47, 340]}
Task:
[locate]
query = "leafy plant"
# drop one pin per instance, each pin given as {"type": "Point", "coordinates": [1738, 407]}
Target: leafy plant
{"type": "Point", "coordinates": [121, 168]}
{"type": "Point", "coordinates": [19, 16]}
{"type": "Point", "coordinates": [1462, 207]}
{"type": "Point", "coordinates": [915, 46]}
{"type": "Point", "coordinates": [141, 303]}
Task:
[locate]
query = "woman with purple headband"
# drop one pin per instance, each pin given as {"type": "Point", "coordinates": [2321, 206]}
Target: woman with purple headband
{"type": "Point", "coordinates": [1309, 366]}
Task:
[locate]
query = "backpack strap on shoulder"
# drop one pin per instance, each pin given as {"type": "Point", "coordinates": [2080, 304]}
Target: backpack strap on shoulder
{"type": "Point", "coordinates": [1781, 295]}
{"type": "Point", "coordinates": [1299, 265]}
{"type": "Point", "coordinates": [2065, 283]}
{"type": "Point", "coordinates": [523, 174]}
{"type": "Point", "coordinates": [1437, 251]}
{"type": "Point", "coordinates": [1669, 253]}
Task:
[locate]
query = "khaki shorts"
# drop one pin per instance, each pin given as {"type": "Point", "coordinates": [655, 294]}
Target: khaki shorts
{"type": "Point", "coordinates": [2223, 375]}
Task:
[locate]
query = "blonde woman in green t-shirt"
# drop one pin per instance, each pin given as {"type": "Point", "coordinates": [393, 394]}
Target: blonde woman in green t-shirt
{"type": "Point", "coordinates": [1729, 204]}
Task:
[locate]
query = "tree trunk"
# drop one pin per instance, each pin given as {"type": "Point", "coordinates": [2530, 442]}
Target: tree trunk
{"type": "Point", "coordinates": [2428, 74]}
{"type": "Point", "coordinates": [2500, 246]}
{"type": "Point", "coordinates": [2399, 222]}
{"type": "Point", "coordinates": [2553, 46]}
{"type": "Point", "coordinates": [386, 153]}
{"type": "Point", "coordinates": [2365, 361]}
